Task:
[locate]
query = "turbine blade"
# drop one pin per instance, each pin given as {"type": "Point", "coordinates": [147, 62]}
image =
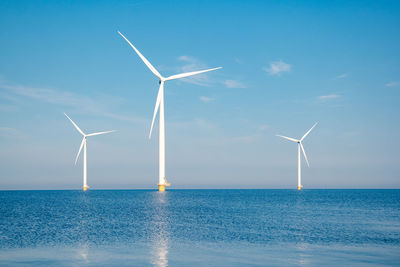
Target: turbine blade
{"type": "Point", "coordinates": [80, 149]}
{"type": "Point", "coordinates": [76, 126]}
{"type": "Point", "coordinates": [308, 132]}
{"type": "Point", "coordinates": [148, 64]}
{"type": "Point", "coordinates": [158, 101]}
{"type": "Point", "coordinates": [187, 74]}
{"type": "Point", "coordinates": [93, 134]}
{"type": "Point", "coordinates": [288, 138]}
{"type": "Point", "coordinates": [304, 153]}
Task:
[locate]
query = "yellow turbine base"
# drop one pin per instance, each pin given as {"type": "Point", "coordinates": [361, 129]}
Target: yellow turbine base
{"type": "Point", "coordinates": [161, 187]}
{"type": "Point", "coordinates": [85, 188]}
{"type": "Point", "coordinates": [299, 187]}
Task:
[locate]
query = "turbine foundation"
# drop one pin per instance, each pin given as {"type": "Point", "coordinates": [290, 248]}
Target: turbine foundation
{"type": "Point", "coordinates": [161, 187]}
{"type": "Point", "coordinates": [299, 187]}
{"type": "Point", "coordinates": [85, 188]}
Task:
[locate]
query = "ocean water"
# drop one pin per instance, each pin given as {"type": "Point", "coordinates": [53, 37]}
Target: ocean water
{"type": "Point", "coordinates": [200, 228]}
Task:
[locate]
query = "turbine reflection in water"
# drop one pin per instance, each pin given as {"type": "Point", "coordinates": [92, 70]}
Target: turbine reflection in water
{"type": "Point", "coordinates": [84, 253]}
{"type": "Point", "coordinates": [83, 248]}
{"type": "Point", "coordinates": [159, 251]}
{"type": "Point", "coordinates": [303, 256]}
{"type": "Point", "coordinates": [302, 249]}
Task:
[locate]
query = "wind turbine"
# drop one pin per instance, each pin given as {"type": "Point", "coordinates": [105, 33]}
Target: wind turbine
{"type": "Point", "coordinates": [162, 182]}
{"type": "Point", "coordinates": [83, 144]}
{"type": "Point", "coordinates": [299, 147]}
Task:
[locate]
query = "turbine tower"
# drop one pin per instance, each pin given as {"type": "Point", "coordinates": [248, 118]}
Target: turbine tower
{"type": "Point", "coordinates": [162, 181]}
{"type": "Point", "coordinates": [83, 145]}
{"type": "Point", "coordinates": [299, 147]}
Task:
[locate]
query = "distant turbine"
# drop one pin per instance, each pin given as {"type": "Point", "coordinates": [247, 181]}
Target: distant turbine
{"type": "Point", "coordinates": [300, 146]}
{"type": "Point", "coordinates": [162, 182]}
{"type": "Point", "coordinates": [83, 144]}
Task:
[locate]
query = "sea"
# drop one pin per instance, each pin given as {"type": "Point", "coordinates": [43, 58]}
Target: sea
{"type": "Point", "coordinates": [200, 228]}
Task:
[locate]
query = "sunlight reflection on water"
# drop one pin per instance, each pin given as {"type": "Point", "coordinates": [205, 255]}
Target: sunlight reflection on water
{"type": "Point", "coordinates": [160, 234]}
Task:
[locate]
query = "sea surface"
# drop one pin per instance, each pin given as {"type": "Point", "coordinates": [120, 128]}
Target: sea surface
{"type": "Point", "coordinates": [200, 228]}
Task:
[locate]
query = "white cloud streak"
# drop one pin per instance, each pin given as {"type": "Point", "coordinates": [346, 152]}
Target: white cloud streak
{"type": "Point", "coordinates": [392, 84]}
{"type": "Point", "coordinates": [241, 139]}
{"type": "Point", "coordinates": [233, 84]}
{"type": "Point", "coordinates": [277, 67]}
{"type": "Point", "coordinates": [341, 76]}
{"type": "Point", "coordinates": [9, 132]}
{"type": "Point", "coordinates": [99, 105]}
{"type": "Point", "coordinates": [194, 64]}
{"type": "Point", "coordinates": [206, 99]}
{"type": "Point", "coordinates": [327, 97]}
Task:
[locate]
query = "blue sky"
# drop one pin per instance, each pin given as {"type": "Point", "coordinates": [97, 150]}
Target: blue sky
{"type": "Point", "coordinates": [286, 65]}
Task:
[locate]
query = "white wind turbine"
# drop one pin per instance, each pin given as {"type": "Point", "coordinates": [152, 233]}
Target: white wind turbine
{"type": "Point", "coordinates": [299, 146]}
{"type": "Point", "coordinates": [162, 182]}
{"type": "Point", "coordinates": [83, 144]}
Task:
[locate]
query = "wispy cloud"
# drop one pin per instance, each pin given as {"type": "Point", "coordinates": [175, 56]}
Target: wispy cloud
{"type": "Point", "coordinates": [327, 97]}
{"type": "Point", "coordinates": [219, 136]}
{"type": "Point", "coordinates": [277, 67]}
{"type": "Point", "coordinates": [206, 99]}
{"type": "Point", "coordinates": [9, 132]}
{"type": "Point", "coordinates": [99, 104]}
{"type": "Point", "coordinates": [47, 95]}
{"type": "Point", "coordinates": [189, 59]}
{"type": "Point", "coordinates": [197, 125]}
{"type": "Point", "coordinates": [234, 84]}
{"type": "Point", "coordinates": [341, 76]}
{"type": "Point", "coordinates": [242, 139]}
{"type": "Point", "coordinates": [392, 84]}
{"type": "Point", "coordinates": [194, 64]}
{"type": "Point", "coordinates": [237, 60]}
